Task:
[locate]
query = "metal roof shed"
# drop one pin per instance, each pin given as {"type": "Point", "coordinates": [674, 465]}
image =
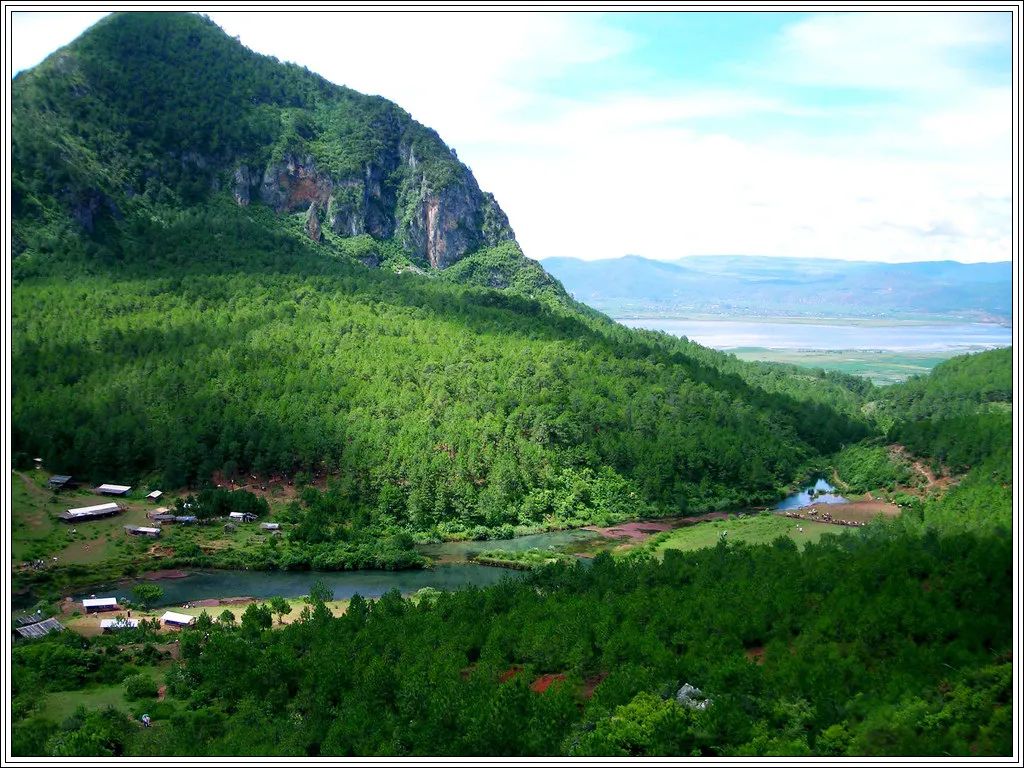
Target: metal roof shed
{"type": "Point", "coordinates": [177, 619]}
{"type": "Point", "coordinates": [59, 481]}
{"type": "Point", "coordinates": [94, 512]}
{"type": "Point", "coordinates": [110, 489]}
{"type": "Point", "coordinates": [111, 625]}
{"type": "Point", "coordinates": [40, 628]}
{"type": "Point", "coordinates": [154, 495]}
{"type": "Point", "coordinates": [94, 604]}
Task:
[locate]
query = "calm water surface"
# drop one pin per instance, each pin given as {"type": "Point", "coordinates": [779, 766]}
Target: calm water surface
{"type": "Point", "coordinates": [200, 585]}
{"type": "Point", "coordinates": [732, 334]}
{"type": "Point", "coordinates": [819, 493]}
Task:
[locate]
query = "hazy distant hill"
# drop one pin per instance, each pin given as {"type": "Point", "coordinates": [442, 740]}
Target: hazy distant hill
{"type": "Point", "coordinates": [789, 286]}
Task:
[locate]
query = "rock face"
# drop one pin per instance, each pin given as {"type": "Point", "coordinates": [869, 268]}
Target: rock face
{"type": "Point", "coordinates": [393, 196]}
{"type": "Point", "coordinates": [242, 184]}
{"type": "Point", "coordinates": [313, 223]}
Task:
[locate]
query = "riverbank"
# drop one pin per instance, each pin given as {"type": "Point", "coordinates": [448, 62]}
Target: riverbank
{"type": "Point", "coordinates": [90, 625]}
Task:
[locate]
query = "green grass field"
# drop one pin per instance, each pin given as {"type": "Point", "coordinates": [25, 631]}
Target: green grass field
{"type": "Point", "coordinates": [879, 367]}
{"type": "Point", "coordinates": [754, 529]}
{"type": "Point", "coordinates": [59, 705]}
{"type": "Point", "coordinates": [38, 533]}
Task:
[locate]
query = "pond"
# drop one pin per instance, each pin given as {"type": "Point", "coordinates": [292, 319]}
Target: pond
{"type": "Point", "coordinates": [200, 585]}
{"type": "Point", "coordinates": [819, 493]}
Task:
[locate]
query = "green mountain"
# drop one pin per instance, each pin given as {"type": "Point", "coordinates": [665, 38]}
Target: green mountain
{"type": "Point", "coordinates": [227, 265]}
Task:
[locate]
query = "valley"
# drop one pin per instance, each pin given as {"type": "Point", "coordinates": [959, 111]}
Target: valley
{"type": "Point", "coordinates": [420, 496]}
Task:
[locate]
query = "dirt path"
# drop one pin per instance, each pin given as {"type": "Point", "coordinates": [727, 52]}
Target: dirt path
{"type": "Point", "coordinates": [933, 482]}
{"type": "Point", "coordinates": [34, 490]}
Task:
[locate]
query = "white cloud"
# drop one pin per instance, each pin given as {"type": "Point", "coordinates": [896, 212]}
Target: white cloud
{"type": "Point", "coordinates": [919, 51]}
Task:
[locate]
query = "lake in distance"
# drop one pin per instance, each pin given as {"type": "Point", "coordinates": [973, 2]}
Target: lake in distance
{"type": "Point", "coordinates": [897, 337]}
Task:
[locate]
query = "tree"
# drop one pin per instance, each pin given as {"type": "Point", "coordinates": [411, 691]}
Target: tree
{"type": "Point", "coordinates": [147, 594]}
{"type": "Point", "coordinates": [226, 617]}
{"type": "Point", "coordinates": [319, 593]}
{"type": "Point", "coordinates": [280, 606]}
{"type": "Point", "coordinates": [257, 617]}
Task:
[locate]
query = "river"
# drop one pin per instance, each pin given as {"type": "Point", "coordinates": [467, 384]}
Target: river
{"type": "Point", "coordinates": [452, 570]}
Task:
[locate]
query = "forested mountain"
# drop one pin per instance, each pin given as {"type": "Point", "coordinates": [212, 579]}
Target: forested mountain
{"type": "Point", "coordinates": [147, 111]}
{"type": "Point", "coordinates": [635, 286]}
{"type": "Point", "coordinates": [186, 302]}
{"type": "Point", "coordinates": [960, 416]}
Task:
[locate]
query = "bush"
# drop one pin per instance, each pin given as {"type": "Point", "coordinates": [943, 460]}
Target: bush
{"type": "Point", "coordinates": [140, 687]}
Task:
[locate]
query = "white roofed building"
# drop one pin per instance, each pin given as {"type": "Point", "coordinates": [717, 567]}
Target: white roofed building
{"type": "Point", "coordinates": [112, 625]}
{"type": "Point", "coordinates": [95, 512]}
{"type": "Point", "coordinates": [177, 619]}
{"type": "Point", "coordinates": [97, 604]}
{"type": "Point", "coordinates": [110, 489]}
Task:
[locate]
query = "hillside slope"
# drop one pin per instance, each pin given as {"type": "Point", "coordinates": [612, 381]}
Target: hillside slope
{"type": "Point", "coordinates": [167, 326]}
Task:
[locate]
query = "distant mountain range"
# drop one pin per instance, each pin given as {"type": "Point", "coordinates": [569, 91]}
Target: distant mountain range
{"type": "Point", "coordinates": [755, 285]}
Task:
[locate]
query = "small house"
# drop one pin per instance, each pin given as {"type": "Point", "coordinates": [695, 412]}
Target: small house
{"type": "Point", "coordinates": [59, 482]}
{"type": "Point", "coordinates": [270, 526]}
{"type": "Point", "coordinates": [112, 625]}
{"type": "Point", "coordinates": [153, 514]}
{"type": "Point", "coordinates": [95, 512]}
{"type": "Point", "coordinates": [165, 518]}
{"type": "Point", "coordinates": [186, 519]}
{"type": "Point", "coordinates": [243, 517]}
{"type": "Point", "coordinates": [39, 628]}
{"type": "Point", "coordinates": [98, 604]}
{"type": "Point", "coordinates": [109, 489]}
{"type": "Point", "coordinates": [154, 495]}
{"type": "Point", "coordinates": [141, 530]}
{"type": "Point", "coordinates": [177, 619]}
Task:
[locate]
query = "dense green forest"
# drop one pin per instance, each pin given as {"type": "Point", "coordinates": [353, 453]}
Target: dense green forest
{"type": "Point", "coordinates": [896, 640]}
{"type": "Point", "coordinates": [234, 347]}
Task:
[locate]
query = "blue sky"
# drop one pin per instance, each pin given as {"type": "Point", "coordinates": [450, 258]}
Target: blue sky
{"type": "Point", "coordinates": [859, 136]}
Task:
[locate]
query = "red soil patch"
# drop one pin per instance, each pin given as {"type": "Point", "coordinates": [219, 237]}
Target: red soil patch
{"type": "Point", "coordinates": [755, 654]}
{"type": "Point", "coordinates": [544, 682]}
{"type": "Point", "coordinates": [508, 674]}
{"type": "Point", "coordinates": [213, 602]}
{"type": "Point", "coordinates": [591, 683]}
{"type": "Point", "coordinates": [639, 530]}
{"type": "Point", "coordinates": [854, 511]}
{"type": "Point", "coordinates": [932, 482]}
{"type": "Point", "coordinates": [268, 486]}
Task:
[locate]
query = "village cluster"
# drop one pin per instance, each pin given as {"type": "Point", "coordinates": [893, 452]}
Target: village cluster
{"type": "Point", "coordinates": [159, 516]}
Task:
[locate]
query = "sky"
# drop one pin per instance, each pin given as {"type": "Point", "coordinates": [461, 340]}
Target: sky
{"type": "Point", "coordinates": [866, 136]}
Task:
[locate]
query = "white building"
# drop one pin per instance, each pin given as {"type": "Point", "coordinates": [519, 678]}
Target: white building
{"type": "Point", "coordinates": [97, 604]}
{"type": "Point", "coordinates": [177, 619]}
